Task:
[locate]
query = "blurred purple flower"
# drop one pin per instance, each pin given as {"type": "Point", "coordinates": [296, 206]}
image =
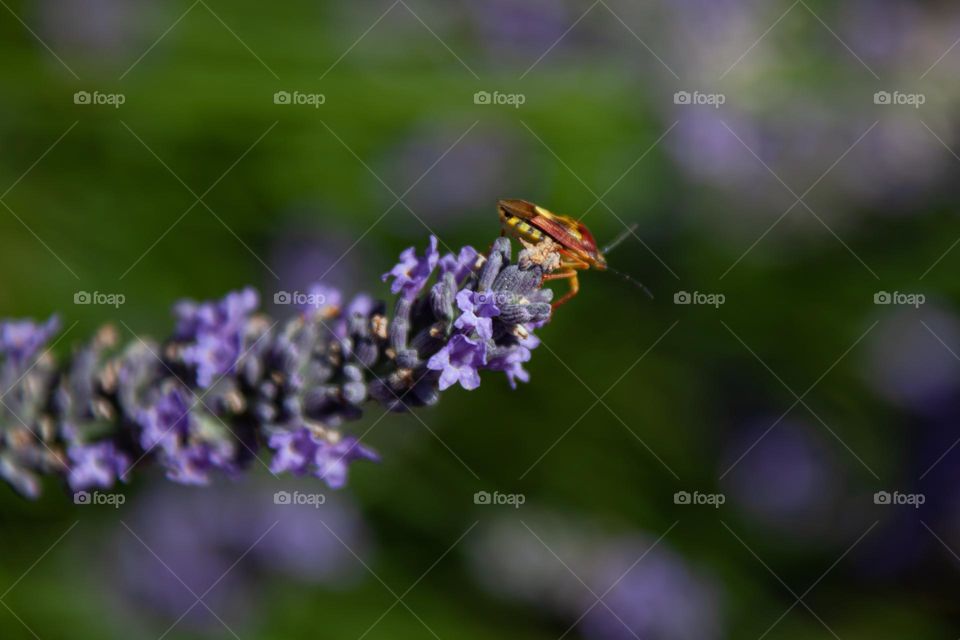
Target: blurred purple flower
{"type": "Point", "coordinates": [166, 421]}
{"type": "Point", "coordinates": [189, 450]}
{"type": "Point", "coordinates": [701, 38]}
{"type": "Point", "coordinates": [301, 452]}
{"type": "Point", "coordinates": [523, 29]}
{"type": "Point", "coordinates": [880, 32]}
{"type": "Point", "coordinates": [709, 151]}
{"type": "Point", "coordinates": [360, 305]}
{"type": "Point", "coordinates": [906, 362]}
{"type": "Point", "coordinates": [275, 538]}
{"type": "Point", "coordinates": [660, 596]}
{"type": "Point", "coordinates": [21, 340]}
{"type": "Point", "coordinates": [96, 465]}
{"type": "Point", "coordinates": [215, 331]}
{"type": "Point", "coordinates": [193, 463]}
{"type": "Point", "coordinates": [293, 451]}
{"type": "Point", "coordinates": [322, 299]}
{"type": "Point", "coordinates": [104, 31]}
{"type": "Point", "coordinates": [412, 272]}
{"type": "Point", "coordinates": [332, 460]}
{"type": "Point", "coordinates": [784, 477]}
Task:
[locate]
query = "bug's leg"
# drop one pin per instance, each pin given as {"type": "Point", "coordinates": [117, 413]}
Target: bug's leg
{"type": "Point", "coordinates": [559, 275]}
{"type": "Point", "coordinates": [568, 270]}
{"type": "Point", "coordinates": [570, 275]}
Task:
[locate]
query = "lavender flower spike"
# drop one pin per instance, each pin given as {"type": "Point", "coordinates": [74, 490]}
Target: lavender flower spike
{"type": "Point", "coordinates": [230, 387]}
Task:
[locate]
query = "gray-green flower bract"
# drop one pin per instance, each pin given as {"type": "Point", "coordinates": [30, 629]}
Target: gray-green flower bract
{"type": "Point", "coordinates": [231, 385]}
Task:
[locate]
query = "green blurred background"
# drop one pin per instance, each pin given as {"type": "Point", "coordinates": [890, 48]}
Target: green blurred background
{"type": "Point", "coordinates": [800, 200]}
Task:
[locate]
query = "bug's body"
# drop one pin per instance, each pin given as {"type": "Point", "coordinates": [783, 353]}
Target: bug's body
{"type": "Point", "coordinates": [577, 248]}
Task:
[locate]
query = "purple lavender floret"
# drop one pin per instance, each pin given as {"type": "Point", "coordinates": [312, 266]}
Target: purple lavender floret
{"type": "Point", "coordinates": [459, 361]}
{"type": "Point", "coordinates": [231, 389]}
{"type": "Point", "coordinates": [411, 273]}
{"type": "Point", "coordinates": [214, 331]}
{"type": "Point", "coordinates": [474, 318]}
{"type": "Point", "coordinates": [96, 465]}
{"type": "Point", "coordinates": [305, 451]}
{"type": "Point", "coordinates": [293, 451]}
{"type": "Point", "coordinates": [165, 422]}
{"type": "Point", "coordinates": [484, 304]}
{"type": "Point", "coordinates": [189, 442]}
{"type": "Point", "coordinates": [322, 298]}
{"type": "Point", "coordinates": [26, 382]}
{"type": "Point", "coordinates": [20, 340]}
{"type": "Point", "coordinates": [510, 361]}
{"type": "Point", "coordinates": [460, 265]}
{"type": "Point", "coordinates": [332, 460]}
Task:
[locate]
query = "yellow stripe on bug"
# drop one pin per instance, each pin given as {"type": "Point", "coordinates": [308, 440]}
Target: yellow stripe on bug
{"type": "Point", "coordinates": [524, 230]}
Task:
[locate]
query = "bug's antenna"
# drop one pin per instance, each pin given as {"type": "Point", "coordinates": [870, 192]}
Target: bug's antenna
{"type": "Point", "coordinates": [632, 281]}
{"type": "Point", "coordinates": [626, 233]}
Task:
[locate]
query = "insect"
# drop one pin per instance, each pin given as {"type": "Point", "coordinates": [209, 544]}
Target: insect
{"type": "Point", "coordinates": [577, 249]}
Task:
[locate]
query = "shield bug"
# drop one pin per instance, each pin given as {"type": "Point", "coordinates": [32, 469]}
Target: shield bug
{"type": "Point", "coordinates": [576, 247]}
